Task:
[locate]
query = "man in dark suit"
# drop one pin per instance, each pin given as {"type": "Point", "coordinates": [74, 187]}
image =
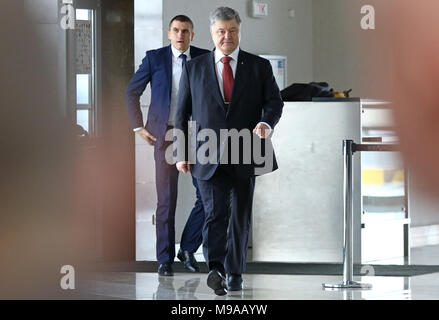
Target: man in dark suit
{"type": "Point", "coordinates": [226, 89]}
{"type": "Point", "coordinates": [162, 69]}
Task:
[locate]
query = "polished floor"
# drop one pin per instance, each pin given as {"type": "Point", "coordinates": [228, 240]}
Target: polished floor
{"type": "Point", "coordinates": [186, 286]}
{"type": "Point", "coordinates": [189, 286]}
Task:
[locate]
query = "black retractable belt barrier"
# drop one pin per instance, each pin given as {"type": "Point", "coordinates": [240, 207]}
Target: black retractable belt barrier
{"type": "Point", "coordinates": [349, 148]}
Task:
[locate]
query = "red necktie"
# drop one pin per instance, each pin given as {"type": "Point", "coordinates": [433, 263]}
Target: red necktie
{"type": "Point", "coordinates": [227, 78]}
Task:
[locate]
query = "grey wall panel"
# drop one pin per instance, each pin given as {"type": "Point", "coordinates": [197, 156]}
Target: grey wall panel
{"type": "Point", "coordinates": [298, 209]}
{"type": "Point", "coordinates": [185, 202]}
{"type": "Point", "coordinates": [146, 202]}
{"type": "Point", "coordinates": [148, 33]}
{"type": "Point", "coordinates": [276, 34]}
{"type": "Point", "coordinates": [145, 168]}
{"type": "Point", "coordinates": [147, 36]}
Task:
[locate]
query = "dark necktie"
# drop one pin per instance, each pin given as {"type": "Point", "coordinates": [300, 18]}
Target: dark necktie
{"type": "Point", "coordinates": [183, 59]}
{"type": "Point", "coordinates": [227, 79]}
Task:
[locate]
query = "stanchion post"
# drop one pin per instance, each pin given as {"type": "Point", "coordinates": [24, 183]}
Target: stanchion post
{"type": "Point", "coordinates": [348, 210]}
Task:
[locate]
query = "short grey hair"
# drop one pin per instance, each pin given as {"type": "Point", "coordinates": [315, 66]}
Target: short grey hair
{"type": "Point", "coordinates": [224, 14]}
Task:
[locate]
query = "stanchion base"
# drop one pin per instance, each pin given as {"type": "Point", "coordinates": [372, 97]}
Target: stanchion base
{"type": "Point", "coordinates": [347, 285]}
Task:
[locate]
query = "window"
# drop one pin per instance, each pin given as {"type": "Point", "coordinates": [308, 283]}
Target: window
{"type": "Point", "coordinates": [85, 70]}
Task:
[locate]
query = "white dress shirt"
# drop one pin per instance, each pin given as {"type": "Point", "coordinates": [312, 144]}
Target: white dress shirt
{"type": "Point", "coordinates": [177, 69]}
{"type": "Point", "coordinates": [219, 66]}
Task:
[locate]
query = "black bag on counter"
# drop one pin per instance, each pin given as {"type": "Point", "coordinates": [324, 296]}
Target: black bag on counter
{"type": "Point", "coordinates": [306, 91]}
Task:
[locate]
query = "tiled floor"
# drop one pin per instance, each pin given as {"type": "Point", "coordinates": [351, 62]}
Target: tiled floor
{"type": "Point", "coordinates": [186, 286]}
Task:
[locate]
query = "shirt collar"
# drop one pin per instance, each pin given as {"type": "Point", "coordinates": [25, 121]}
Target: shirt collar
{"type": "Point", "coordinates": [233, 55]}
{"type": "Point", "coordinates": [176, 53]}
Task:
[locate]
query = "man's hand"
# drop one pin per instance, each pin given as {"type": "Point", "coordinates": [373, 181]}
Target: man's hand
{"type": "Point", "coordinates": [148, 137]}
{"type": "Point", "coordinates": [262, 130]}
{"type": "Point", "coordinates": [183, 166]}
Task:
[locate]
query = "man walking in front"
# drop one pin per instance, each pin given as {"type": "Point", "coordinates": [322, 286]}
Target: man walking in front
{"type": "Point", "coordinates": [162, 69]}
{"type": "Point", "coordinates": [227, 89]}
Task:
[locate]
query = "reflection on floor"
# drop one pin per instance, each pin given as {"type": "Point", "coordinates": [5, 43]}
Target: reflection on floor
{"type": "Point", "coordinates": [187, 286]}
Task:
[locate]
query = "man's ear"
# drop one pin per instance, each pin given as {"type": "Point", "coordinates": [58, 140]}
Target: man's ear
{"type": "Point", "coordinates": [192, 38]}
{"type": "Point", "coordinates": [169, 36]}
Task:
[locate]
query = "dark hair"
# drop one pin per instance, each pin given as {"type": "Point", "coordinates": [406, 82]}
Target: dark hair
{"type": "Point", "coordinates": [182, 18]}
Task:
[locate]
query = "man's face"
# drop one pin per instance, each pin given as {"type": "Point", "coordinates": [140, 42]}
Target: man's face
{"type": "Point", "coordinates": [225, 35]}
{"type": "Point", "coordinates": [181, 35]}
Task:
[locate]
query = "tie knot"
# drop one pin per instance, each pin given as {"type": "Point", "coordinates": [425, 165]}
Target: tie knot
{"type": "Point", "coordinates": [226, 60]}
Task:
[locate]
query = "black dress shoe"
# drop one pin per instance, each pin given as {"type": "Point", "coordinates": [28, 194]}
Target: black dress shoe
{"type": "Point", "coordinates": [165, 269]}
{"type": "Point", "coordinates": [217, 282]}
{"type": "Point", "coordinates": [189, 260]}
{"type": "Point", "coordinates": [234, 282]}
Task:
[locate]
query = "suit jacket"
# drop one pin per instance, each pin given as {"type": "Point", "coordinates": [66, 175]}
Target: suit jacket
{"type": "Point", "coordinates": [156, 68]}
{"type": "Point", "coordinates": [255, 98]}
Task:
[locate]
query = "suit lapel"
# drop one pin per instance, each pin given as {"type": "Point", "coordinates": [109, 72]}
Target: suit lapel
{"type": "Point", "coordinates": [168, 66]}
{"type": "Point", "coordinates": [212, 80]}
{"type": "Point", "coordinates": [241, 80]}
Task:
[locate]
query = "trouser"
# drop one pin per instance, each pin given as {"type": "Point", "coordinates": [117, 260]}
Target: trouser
{"type": "Point", "coordinates": [167, 187]}
{"type": "Point", "coordinates": [227, 204]}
